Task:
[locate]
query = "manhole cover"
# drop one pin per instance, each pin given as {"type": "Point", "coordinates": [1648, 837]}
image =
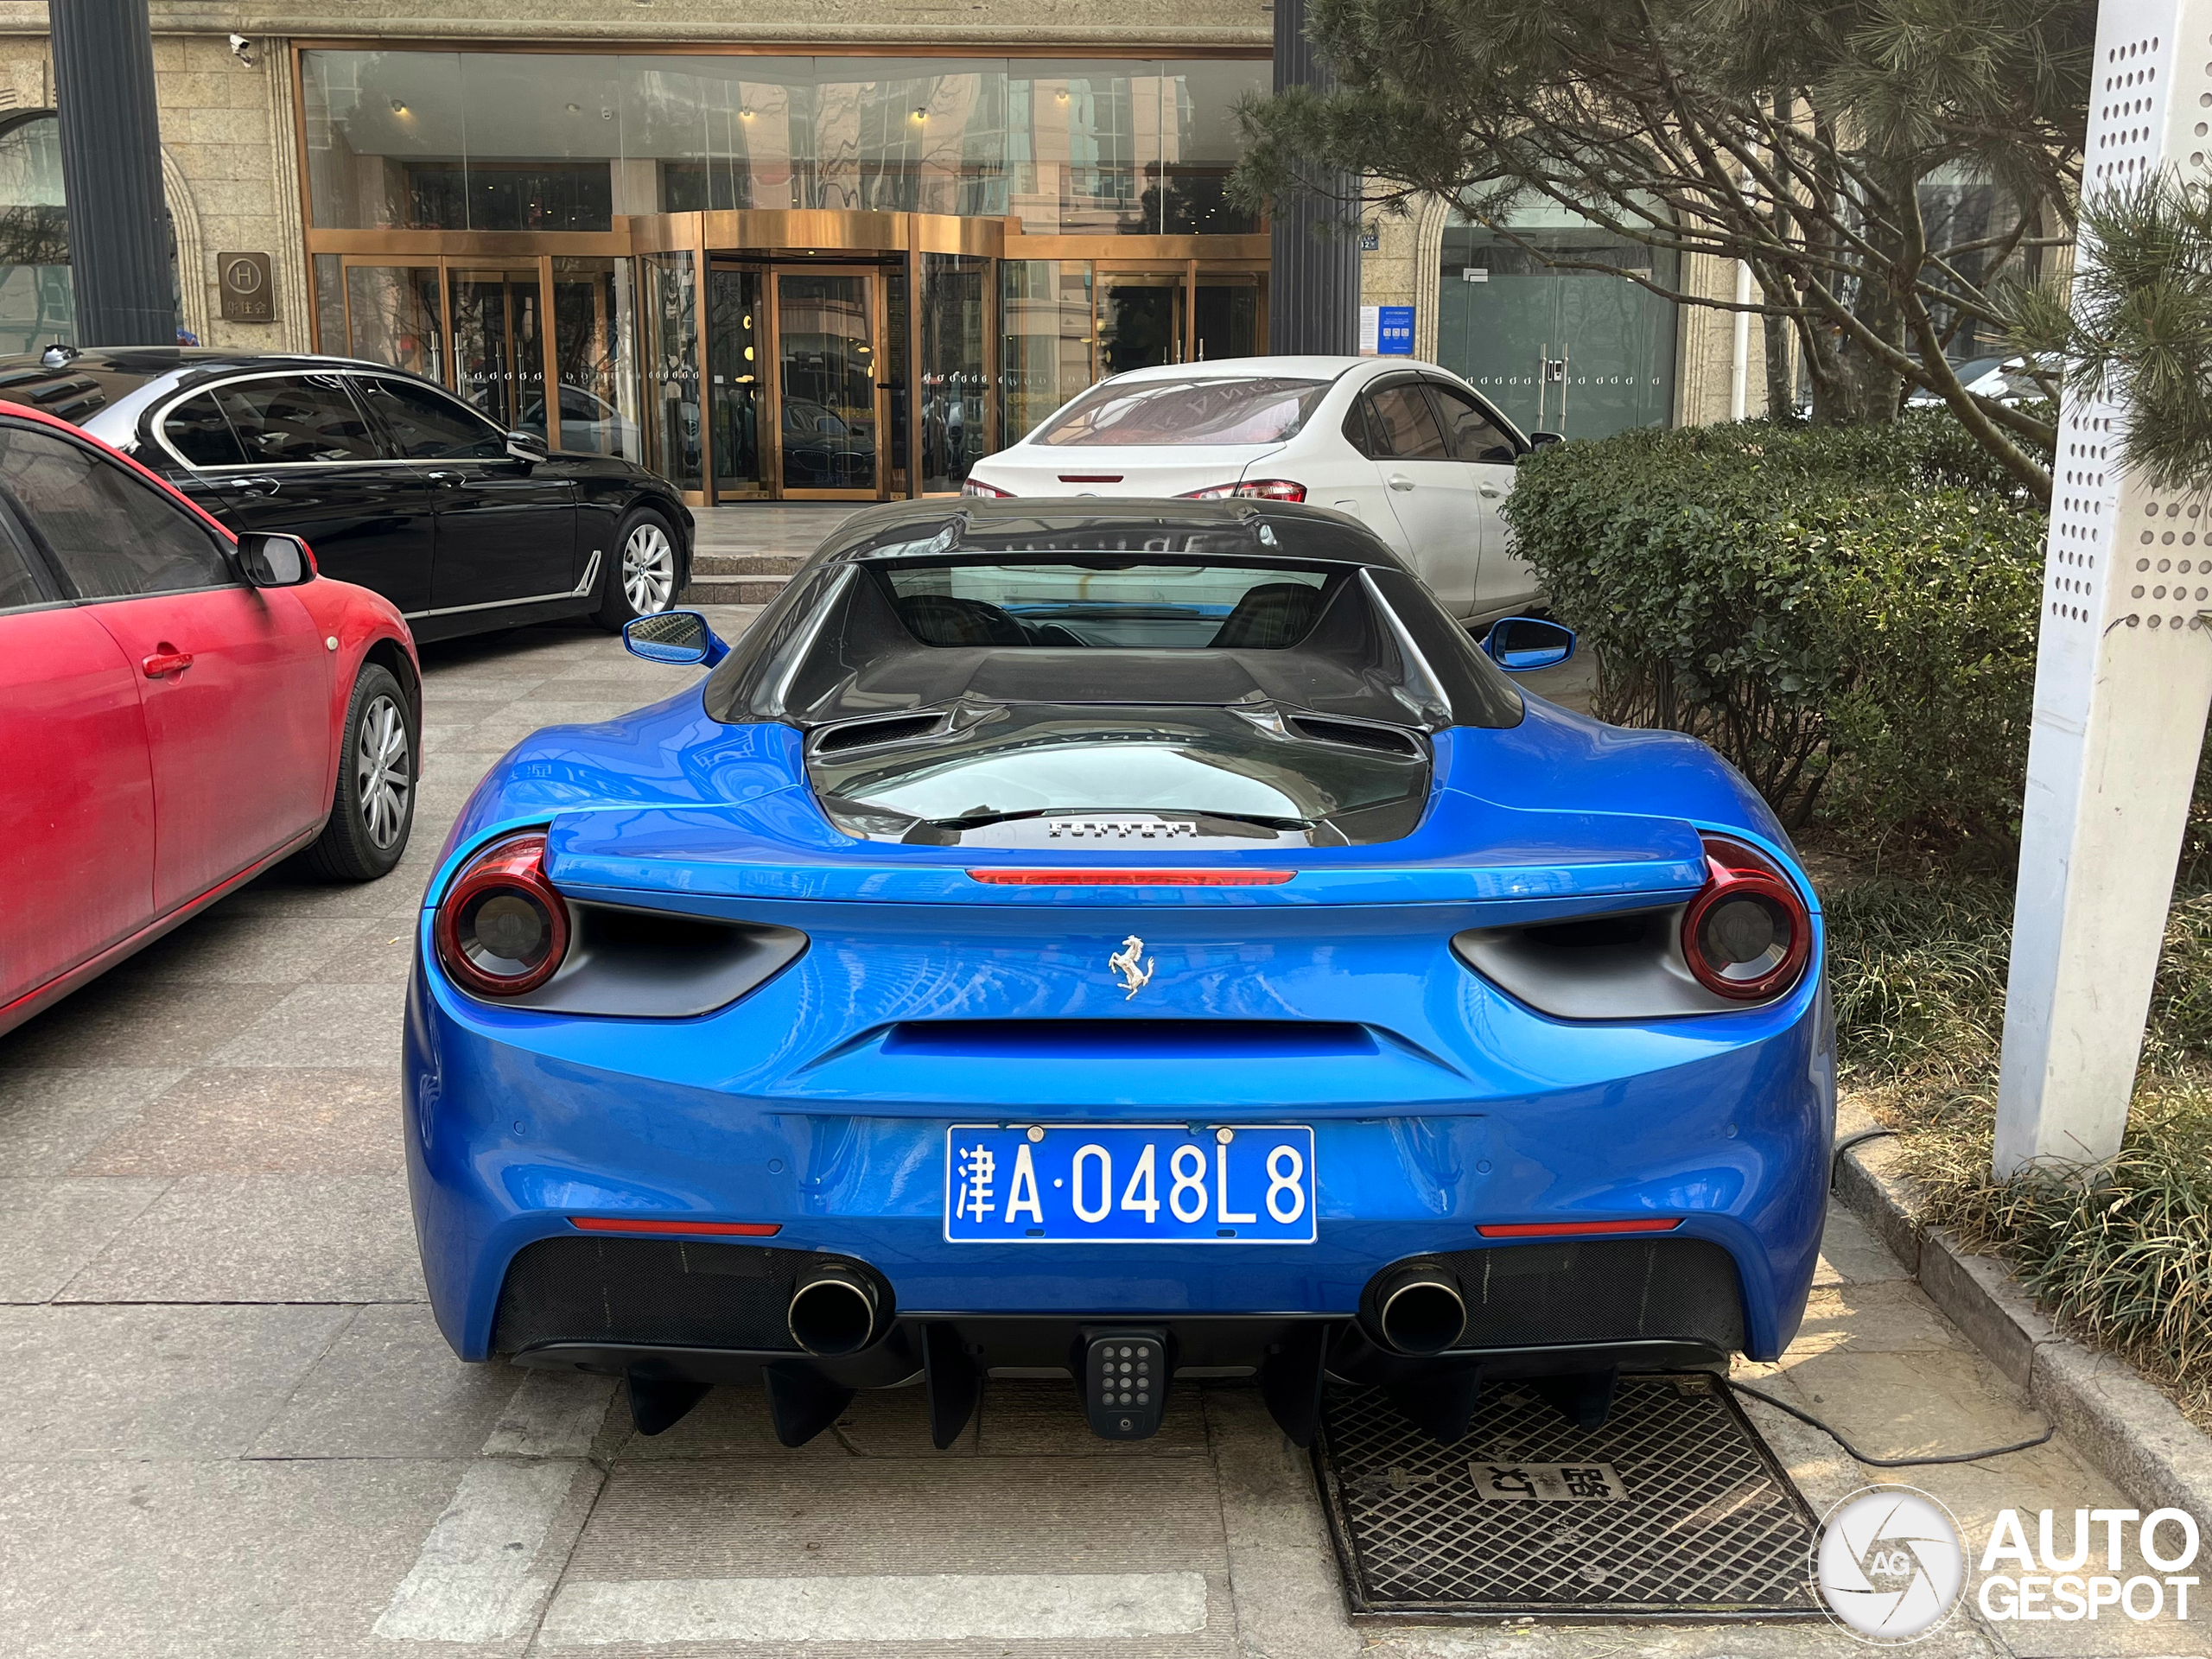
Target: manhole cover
{"type": "Point", "coordinates": [1675, 1507]}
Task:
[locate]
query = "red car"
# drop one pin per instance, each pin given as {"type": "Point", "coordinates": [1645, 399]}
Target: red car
{"type": "Point", "coordinates": [180, 708]}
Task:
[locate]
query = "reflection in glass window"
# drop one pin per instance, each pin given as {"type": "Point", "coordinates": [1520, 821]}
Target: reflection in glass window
{"type": "Point", "coordinates": [1256, 409]}
{"type": "Point", "coordinates": [557, 141]}
{"type": "Point", "coordinates": [1502, 312]}
{"type": "Point", "coordinates": [1044, 351]}
{"type": "Point", "coordinates": [36, 304]}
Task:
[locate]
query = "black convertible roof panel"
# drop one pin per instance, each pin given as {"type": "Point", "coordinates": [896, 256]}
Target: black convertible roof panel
{"type": "Point", "coordinates": [1370, 642]}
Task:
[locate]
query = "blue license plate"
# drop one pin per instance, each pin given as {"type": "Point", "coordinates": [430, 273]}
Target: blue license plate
{"type": "Point", "coordinates": [1128, 1184]}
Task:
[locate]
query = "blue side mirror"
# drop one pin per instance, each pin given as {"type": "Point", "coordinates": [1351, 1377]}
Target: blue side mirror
{"type": "Point", "coordinates": [1521, 645]}
{"type": "Point", "coordinates": [678, 636]}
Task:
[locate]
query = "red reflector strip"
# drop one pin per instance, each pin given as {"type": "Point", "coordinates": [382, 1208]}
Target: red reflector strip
{"type": "Point", "coordinates": [1579, 1229]}
{"type": "Point", "coordinates": [1133, 878]}
{"type": "Point", "coordinates": [700, 1228]}
{"type": "Point", "coordinates": [1090, 478]}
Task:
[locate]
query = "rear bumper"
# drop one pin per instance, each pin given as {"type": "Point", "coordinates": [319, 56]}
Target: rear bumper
{"type": "Point", "coordinates": [508, 1137]}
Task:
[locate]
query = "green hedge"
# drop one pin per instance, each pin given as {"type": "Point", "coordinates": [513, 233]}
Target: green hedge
{"type": "Point", "coordinates": [1847, 613]}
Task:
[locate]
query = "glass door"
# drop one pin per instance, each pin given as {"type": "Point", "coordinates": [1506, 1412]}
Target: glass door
{"type": "Point", "coordinates": [827, 324]}
{"type": "Point", "coordinates": [499, 343]}
{"type": "Point", "coordinates": [395, 315]}
{"type": "Point", "coordinates": [1229, 313]}
{"type": "Point", "coordinates": [737, 353]}
{"type": "Point", "coordinates": [1143, 318]}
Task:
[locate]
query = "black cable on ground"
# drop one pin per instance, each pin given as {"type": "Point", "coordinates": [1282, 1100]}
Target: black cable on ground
{"type": "Point", "coordinates": [1806, 1417]}
{"type": "Point", "coordinates": [1835, 1158]}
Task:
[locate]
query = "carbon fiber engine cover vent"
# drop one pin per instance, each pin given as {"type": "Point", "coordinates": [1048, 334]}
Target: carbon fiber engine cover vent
{"type": "Point", "coordinates": [1674, 1508]}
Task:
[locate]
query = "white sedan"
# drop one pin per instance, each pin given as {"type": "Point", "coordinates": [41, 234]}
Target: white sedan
{"type": "Point", "coordinates": [1409, 449]}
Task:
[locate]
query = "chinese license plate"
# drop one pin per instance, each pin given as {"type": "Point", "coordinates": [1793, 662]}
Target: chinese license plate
{"type": "Point", "coordinates": [1127, 1183]}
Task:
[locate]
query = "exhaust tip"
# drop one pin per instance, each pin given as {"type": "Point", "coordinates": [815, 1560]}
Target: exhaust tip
{"type": "Point", "coordinates": [834, 1311]}
{"type": "Point", "coordinates": [1421, 1311]}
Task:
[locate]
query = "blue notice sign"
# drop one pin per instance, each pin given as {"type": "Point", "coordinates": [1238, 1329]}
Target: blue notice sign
{"type": "Point", "coordinates": [1394, 331]}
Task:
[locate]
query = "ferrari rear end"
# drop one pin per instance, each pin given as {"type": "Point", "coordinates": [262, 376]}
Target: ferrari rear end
{"type": "Point", "coordinates": [908, 1002]}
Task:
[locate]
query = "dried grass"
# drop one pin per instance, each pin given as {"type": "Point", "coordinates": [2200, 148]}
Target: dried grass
{"type": "Point", "coordinates": [2122, 1254]}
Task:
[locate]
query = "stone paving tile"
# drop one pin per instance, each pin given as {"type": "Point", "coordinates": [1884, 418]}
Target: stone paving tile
{"type": "Point", "coordinates": [50, 1116]}
{"type": "Point", "coordinates": [1025, 1418]}
{"type": "Point", "coordinates": [771, 1517]}
{"type": "Point", "coordinates": [382, 955]}
{"type": "Point", "coordinates": [263, 1121]}
{"type": "Point", "coordinates": [226, 946]}
{"type": "Point", "coordinates": [390, 1388]}
{"type": "Point", "coordinates": [116, 1022]}
{"type": "Point", "coordinates": [212, 1560]}
{"type": "Point", "coordinates": [322, 1025]}
{"type": "Point", "coordinates": [1877, 1318]}
{"type": "Point", "coordinates": [1850, 1255]}
{"type": "Point", "coordinates": [263, 1238]}
{"type": "Point", "coordinates": [91, 1383]}
{"type": "Point", "coordinates": [764, 1518]}
{"type": "Point", "coordinates": [49, 1229]}
{"type": "Point", "coordinates": [289, 892]}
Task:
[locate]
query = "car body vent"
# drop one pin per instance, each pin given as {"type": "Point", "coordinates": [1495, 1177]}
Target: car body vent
{"type": "Point", "coordinates": [867, 733]}
{"type": "Point", "coordinates": [1357, 733]}
{"type": "Point", "coordinates": [68, 395]}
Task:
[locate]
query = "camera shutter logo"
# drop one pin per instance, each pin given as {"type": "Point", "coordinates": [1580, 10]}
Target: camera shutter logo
{"type": "Point", "coordinates": [1890, 1564]}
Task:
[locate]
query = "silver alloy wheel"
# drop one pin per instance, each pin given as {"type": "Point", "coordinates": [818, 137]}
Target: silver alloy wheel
{"type": "Point", "coordinates": [380, 770]}
{"type": "Point", "coordinates": [648, 569]}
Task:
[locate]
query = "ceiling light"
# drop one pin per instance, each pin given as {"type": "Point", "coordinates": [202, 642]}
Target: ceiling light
{"type": "Point", "coordinates": [397, 107]}
{"type": "Point", "coordinates": [921, 115]}
{"type": "Point", "coordinates": [575, 109]}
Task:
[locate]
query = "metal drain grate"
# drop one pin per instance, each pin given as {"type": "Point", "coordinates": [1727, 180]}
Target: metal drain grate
{"type": "Point", "coordinates": [1675, 1507]}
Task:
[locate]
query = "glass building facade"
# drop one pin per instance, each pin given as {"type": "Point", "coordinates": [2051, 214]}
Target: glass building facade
{"type": "Point", "coordinates": [778, 275]}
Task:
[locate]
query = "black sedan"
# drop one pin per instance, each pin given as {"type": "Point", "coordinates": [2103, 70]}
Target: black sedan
{"type": "Point", "coordinates": [396, 484]}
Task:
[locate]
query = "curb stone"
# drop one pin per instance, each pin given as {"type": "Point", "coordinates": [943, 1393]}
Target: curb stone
{"type": "Point", "coordinates": [2135, 1436]}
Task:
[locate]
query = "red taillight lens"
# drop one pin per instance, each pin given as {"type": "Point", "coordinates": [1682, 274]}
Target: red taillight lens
{"type": "Point", "coordinates": [1747, 934]}
{"type": "Point", "coordinates": [989, 492]}
{"type": "Point", "coordinates": [1267, 489]}
{"type": "Point", "coordinates": [503, 928]}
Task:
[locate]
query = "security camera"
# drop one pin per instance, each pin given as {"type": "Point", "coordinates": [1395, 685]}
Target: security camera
{"type": "Point", "coordinates": [242, 49]}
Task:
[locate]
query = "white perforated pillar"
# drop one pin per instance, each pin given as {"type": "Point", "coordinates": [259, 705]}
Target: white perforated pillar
{"type": "Point", "coordinates": [2123, 676]}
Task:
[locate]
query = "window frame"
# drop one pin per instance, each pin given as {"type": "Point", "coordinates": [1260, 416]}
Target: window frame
{"type": "Point", "coordinates": [23, 524]}
{"type": "Point", "coordinates": [1437, 392]}
{"type": "Point", "coordinates": [158, 424]}
{"type": "Point", "coordinates": [376, 419]}
{"type": "Point", "coordinates": [1419, 384]}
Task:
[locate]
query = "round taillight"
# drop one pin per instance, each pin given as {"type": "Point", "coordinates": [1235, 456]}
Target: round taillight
{"type": "Point", "coordinates": [1747, 934]}
{"type": "Point", "coordinates": [503, 928]}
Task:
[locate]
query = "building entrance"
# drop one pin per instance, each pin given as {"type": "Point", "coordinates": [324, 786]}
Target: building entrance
{"type": "Point", "coordinates": [759, 354]}
{"type": "Point", "coordinates": [801, 381]}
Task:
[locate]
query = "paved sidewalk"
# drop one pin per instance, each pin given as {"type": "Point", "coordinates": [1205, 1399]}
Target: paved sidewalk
{"type": "Point", "coordinates": [232, 1428]}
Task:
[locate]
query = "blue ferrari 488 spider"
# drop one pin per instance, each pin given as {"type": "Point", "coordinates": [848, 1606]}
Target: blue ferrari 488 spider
{"type": "Point", "coordinates": [1125, 940]}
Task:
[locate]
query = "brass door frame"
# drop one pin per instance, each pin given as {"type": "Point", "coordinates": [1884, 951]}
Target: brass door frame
{"type": "Point", "coordinates": [711, 493]}
{"type": "Point", "coordinates": [881, 398]}
{"type": "Point", "coordinates": [445, 265]}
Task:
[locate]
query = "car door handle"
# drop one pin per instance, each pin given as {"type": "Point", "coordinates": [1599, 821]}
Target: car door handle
{"type": "Point", "coordinates": [259, 485]}
{"type": "Point", "coordinates": [449, 480]}
{"type": "Point", "coordinates": [167, 660]}
{"type": "Point", "coordinates": [1489, 492]}
{"type": "Point", "coordinates": [1399, 482]}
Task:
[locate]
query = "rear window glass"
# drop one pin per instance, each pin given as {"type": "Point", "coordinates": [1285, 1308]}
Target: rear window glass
{"type": "Point", "coordinates": [1107, 602]}
{"type": "Point", "coordinates": [1255, 409]}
